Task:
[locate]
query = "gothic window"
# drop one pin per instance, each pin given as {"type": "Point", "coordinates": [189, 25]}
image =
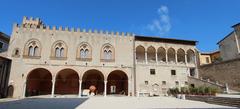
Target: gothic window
{"type": "Point", "coordinates": [32, 48]}
{"type": "Point", "coordinates": [59, 50]}
{"type": "Point", "coordinates": [84, 52]}
{"type": "Point", "coordinates": [107, 53]}
{"type": "Point", "coordinates": [31, 51]}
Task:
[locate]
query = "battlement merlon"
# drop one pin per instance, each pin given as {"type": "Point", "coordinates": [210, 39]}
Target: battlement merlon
{"type": "Point", "coordinates": [36, 23]}
{"type": "Point", "coordinates": [32, 22]}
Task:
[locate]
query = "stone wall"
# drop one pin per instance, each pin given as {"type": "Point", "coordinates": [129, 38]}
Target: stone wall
{"type": "Point", "coordinates": [224, 72]}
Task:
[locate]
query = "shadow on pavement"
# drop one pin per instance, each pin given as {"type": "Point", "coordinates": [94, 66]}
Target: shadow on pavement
{"type": "Point", "coordinates": [43, 103]}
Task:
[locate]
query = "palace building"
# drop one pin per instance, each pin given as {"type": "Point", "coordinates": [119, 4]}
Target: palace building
{"type": "Point", "coordinates": [67, 61]}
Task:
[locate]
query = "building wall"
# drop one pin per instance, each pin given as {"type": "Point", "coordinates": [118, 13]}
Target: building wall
{"type": "Point", "coordinates": [124, 56]}
{"type": "Point", "coordinates": [203, 59]}
{"type": "Point", "coordinates": [228, 48]}
{"type": "Point", "coordinates": [224, 72]}
{"type": "Point", "coordinates": [162, 69]}
{"type": "Point", "coordinates": [22, 65]}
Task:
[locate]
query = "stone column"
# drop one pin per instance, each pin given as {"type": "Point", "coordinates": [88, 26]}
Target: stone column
{"type": "Point", "coordinates": [135, 54]}
{"type": "Point", "coordinates": [24, 88]}
{"type": "Point", "coordinates": [226, 88]}
{"type": "Point", "coordinates": [80, 88]}
{"type": "Point", "coordinates": [156, 58]}
{"type": "Point", "coordinates": [129, 87]}
{"type": "Point", "coordinates": [185, 58]}
{"type": "Point", "coordinates": [146, 58]}
{"type": "Point", "coordinates": [105, 88]}
{"type": "Point", "coordinates": [195, 59]}
{"type": "Point", "coordinates": [166, 57]}
{"type": "Point", "coordinates": [176, 58]}
{"type": "Point", "coordinates": [53, 87]}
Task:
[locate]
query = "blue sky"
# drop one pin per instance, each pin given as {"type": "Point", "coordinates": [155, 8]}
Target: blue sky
{"type": "Point", "coordinates": [206, 21]}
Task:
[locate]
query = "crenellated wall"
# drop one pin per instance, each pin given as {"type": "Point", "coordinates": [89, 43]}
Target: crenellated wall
{"type": "Point", "coordinates": [45, 37]}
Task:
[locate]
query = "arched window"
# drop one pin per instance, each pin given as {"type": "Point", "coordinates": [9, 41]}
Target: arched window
{"type": "Point", "coordinates": [31, 51]}
{"type": "Point", "coordinates": [140, 54]}
{"type": "Point", "coordinates": [16, 52]}
{"type": "Point", "coordinates": [62, 52]}
{"type": "Point", "coordinates": [84, 52]}
{"type": "Point", "coordinates": [181, 56]}
{"type": "Point", "coordinates": [151, 54]}
{"type": "Point", "coordinates": [59, 50]}
{"type": "Point", "coordinates": [171, 55]}
{"type": "Point", "coordinates": [32, 48]}
{"type": "Point", "coordinates": [107, 53]}
{"type": "Point", "coordinates": [35, 51]}
{"type": "Point", "coordinates": [190, 56]}
{"type": "Point", "coordinates": [161, 53]}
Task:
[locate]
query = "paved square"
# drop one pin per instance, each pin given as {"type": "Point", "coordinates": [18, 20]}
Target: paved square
{"type": "Point", "coordinates": [105, 103]}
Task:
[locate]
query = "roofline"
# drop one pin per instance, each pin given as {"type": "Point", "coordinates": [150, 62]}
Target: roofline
{"type": "Point", "coordinates": [225, 37]}
{"type": "Point", "coordinates": [236, 25]}
{"type": "Point", "coordinates": [5, 37]}
{"type": "Point", "coordinates": [209, 53]}
{"type": "Point", "coordinates": [169, 40]}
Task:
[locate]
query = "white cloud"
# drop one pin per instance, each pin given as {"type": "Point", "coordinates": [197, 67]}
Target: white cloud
{"type": "Point", "coordinates": [162, 24]}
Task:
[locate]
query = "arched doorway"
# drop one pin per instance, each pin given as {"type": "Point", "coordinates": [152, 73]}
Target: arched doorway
{"type": "Point", "coordinates": [93, 78]}
{"type": "Point", "coordinates": [39, 82]}
{"type": "Point", "coordinates": [67, 82]}
{"type": "Point", "coordinates": [10, 91]}
{"type": "Point", "coordinates": [117, 83]}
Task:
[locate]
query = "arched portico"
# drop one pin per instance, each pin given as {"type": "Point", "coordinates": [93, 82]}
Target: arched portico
{"type": "Point", "coordinates": [67, 82]}
{"type": "Point", "coordinates": [93, 78]}
{"type": "Point", "coordinates": [117, 83]}
{"type": "Point", "coordinates": [39, 82]}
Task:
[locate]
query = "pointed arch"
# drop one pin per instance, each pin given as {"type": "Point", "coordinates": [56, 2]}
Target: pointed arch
{"type": "Point", "coordinates": [84, 52]}
{"type": "Point", "coordinates": [107, 53]}
{"type": "Point", "coordinates": [32, 48]}
{"type": "Point", "coordinates": [59, 50]}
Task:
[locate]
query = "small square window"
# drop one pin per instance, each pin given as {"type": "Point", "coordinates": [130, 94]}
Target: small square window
{"type": "Point", "coordinates": [164, 82]}
{"type": "Point", "coordinates": [186, 83]}
{"type": "Point", "coordinates": [173, 72]}
{"type": "Point", "coordinates": [177, 83]}
{"type": "Point", "coordinates": [152, 71]}
{"type": "Point", "coordinates": [146, 82]}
